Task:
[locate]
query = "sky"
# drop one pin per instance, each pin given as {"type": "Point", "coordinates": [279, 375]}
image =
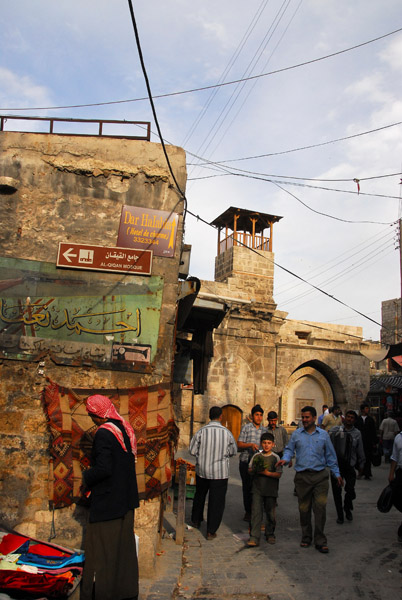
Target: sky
{"type": "Point", "coordinates": [279, 138]}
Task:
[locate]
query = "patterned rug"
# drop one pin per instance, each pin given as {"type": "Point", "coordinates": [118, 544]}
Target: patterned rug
{"type": "Point", "coordinates": [148, 409]}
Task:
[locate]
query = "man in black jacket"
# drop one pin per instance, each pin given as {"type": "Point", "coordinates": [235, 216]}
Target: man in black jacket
{"type": "Point", "coordinates": [366, 425]}
{"type": "Point", "coordinates": [110, 551]}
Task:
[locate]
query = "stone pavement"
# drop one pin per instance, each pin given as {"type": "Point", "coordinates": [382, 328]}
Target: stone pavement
{"type": "Point", "coordinates": [365, 558]}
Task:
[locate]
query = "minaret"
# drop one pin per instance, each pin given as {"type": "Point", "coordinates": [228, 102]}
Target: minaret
{"type": "Point", "coordinates": [245, 256]}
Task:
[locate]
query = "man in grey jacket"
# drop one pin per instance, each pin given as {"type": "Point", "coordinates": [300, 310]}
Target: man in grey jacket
{"type": "Point", "coordinates": [348, 444]}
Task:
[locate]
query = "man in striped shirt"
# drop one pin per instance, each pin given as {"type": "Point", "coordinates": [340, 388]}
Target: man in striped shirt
{"type": "Point", "coordinates": [212, 447]}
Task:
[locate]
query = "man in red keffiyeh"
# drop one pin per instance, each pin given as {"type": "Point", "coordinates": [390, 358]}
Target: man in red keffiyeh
{"type": "Point", "coordinates": [110, 552]}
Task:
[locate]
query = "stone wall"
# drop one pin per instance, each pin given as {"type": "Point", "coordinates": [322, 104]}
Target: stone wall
{"type": "Point", "coordinates": [72, 189]}
{"type": "Point", "coordinates": [391, 319]}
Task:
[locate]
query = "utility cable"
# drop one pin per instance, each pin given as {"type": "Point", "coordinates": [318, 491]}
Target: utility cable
{"type": "Point", "coordinates": [224, 113]}
{"type": "Point", "coordinates": [342, 139]}
{"type": "Point", "coordinates": [230, 64]}
{"type": "Point", "coordinates": [210, 87]}
{"type": "Point", "coordinates": [276, 264]}
{"type": "Point", "coordinates": [323, 268]}
{"type": "Point", "coordinates": [137, 39]}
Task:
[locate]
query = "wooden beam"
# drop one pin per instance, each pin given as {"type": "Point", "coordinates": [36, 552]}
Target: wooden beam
{"type": "Point", "coordinates": [181, 504]}
{"type": "Point", "coordinates": [271, 229]}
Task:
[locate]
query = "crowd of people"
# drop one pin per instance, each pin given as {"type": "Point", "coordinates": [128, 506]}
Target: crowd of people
{"type": "Point", "coordinates": [336, 447]}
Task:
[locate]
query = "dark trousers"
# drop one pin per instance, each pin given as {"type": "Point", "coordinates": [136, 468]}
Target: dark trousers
{"type": "Point", "coordinates": [349, 475]}
{"type": "Point", "coordinates": [312, 492]}
{"type": "Point", "coordinates": [387, 449]}
{"type": "Point", "coordinates": [266, 504]}
{"type": "Point", "coordinates": [368, 451]}
{"type": "Point", "coordinates": [216, 501]}
{"type": "Point", "coordinates": [246, 483]}
{"type": "Point", "coordinates": [110, 559]}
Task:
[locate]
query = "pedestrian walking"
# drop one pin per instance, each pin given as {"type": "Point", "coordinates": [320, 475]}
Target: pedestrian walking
{"type": "Point", "coordinates": [395, 474]}
{"type": "Point", "coordinates": [110, 551]}
{"type": "Point", "coordinates": [332, 419]}
{"type": "Point", "coordinates": [314, 453]}
{"type": "Point", "coordinates": [366, 425]}
{"type": "Point", "coordinates": [212, 447]}
{"type": "Point", "coordinates": [265, 476]}
{"type": "Point", "coordinates": [348, 444]}
{"type": "Point", "coordinates": [249, 443]}
{"type": "Point", "coordinates": [280, 434]}
{"type": "Point", "coordinates": [325, 412]}
{"type": "Point", "coordinates": [388, 430]}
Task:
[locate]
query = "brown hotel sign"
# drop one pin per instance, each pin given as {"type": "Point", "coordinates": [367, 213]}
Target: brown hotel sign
{"type": "Point", "coordinates": [145, 228]}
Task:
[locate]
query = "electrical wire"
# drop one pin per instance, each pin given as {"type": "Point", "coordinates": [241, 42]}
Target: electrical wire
{"type": "Point", "coordinates": [233, 98]}
{"type": "Point", "coordinates": [340, 275]}
{"type": "Point", "coordinates": [230, 64]}
{"type": "Point", "coordinates": [318, 145]}
{"type": "Point", "coordinates": [251, 88]}
{"type": "Point", "coordinates": [210, 87]}
{"type": "Point", "coordinates": [141, 57]}
{"type": "Point", "coordinates": [368, 243]}
{"type": "Point", "coordinates": [276, 264]}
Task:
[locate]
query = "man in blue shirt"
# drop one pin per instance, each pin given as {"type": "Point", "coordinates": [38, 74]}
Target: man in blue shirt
{"type": "Point", "coordinates": [314, 453]}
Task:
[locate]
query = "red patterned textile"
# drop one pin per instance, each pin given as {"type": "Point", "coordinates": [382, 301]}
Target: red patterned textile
{"type": "Point", "coordinates": [147, 409]}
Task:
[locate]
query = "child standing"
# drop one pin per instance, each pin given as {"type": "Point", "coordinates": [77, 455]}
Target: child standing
{"type": "Point", "coordinates": [264, 489]}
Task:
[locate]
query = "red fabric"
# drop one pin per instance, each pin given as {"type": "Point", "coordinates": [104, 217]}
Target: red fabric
{"type": "Point", "coordinates": [103, 407]}
{"type": "Point", "coordinates": [45, 550]}
{"type": "Point", "coordinates": [11, 542]}
{"type": "Point", "coordinates": [39, 584]}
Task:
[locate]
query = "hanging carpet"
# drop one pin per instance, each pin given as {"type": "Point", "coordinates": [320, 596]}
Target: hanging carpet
{"type": "Point", "coordinates": [148, 409]}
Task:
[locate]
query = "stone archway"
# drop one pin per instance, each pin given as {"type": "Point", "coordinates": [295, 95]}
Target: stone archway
{"type": "Point", "coordinates": [306, 386]}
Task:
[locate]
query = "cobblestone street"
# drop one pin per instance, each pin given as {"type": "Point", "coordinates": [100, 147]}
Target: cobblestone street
{"type": "Point", "coordinates": [365, 558]}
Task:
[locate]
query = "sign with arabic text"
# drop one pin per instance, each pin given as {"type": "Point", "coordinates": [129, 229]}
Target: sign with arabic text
{"type": "Point", "coordinates": [150, 229]}
{"type": "Point", "coordinates": [101, 258]}
{"type": "Point", "coordinates": [107, 320]}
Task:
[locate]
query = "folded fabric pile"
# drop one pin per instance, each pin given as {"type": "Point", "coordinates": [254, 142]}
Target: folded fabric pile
{"type": "Point", "coordinates": [33, 569]}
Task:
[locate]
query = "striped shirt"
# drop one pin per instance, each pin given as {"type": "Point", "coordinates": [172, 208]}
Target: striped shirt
{"type": "Point", "coordinates": [250, 434]}
{"type": "Point", "coordinates": [212, 446]}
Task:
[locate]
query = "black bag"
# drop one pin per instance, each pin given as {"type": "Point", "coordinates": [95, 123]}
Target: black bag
{"type": "Point", "coordinates": [397, 490]}
{"type": "Point", "coordinates": [384, 502]}
{"type": "Point", "coordinates": [376, 457]}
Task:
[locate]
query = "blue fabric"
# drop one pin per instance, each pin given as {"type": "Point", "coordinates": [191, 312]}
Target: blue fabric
{"type": "Point", "coordinates": [51, 562]}
{"type": "Point", "coordinates": [313, 451]}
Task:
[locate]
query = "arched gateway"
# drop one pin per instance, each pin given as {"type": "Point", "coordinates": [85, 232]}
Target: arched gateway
{"type": "Point", "coordinates": [312, 384]}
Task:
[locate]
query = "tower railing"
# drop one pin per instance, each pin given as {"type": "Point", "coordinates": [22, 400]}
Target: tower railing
{"type": "Point", "coordinates": [242, 238]}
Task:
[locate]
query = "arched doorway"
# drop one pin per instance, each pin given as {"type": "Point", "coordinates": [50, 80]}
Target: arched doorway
{"type": "Point", "coordinates": [232, 418]}
{"type": "Point", "coordinates": [306, 386]}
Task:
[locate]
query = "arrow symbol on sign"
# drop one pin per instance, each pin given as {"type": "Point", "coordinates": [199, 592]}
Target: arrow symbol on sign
{"type": "Point", "coordinates": [67, 254]}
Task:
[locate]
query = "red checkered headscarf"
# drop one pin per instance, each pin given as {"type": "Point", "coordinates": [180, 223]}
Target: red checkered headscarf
{"type": "Point", "coordinates": [103, 407]}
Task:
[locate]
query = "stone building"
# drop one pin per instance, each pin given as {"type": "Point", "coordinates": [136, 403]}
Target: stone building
{"type": "Point", "coordinates": [260, 356]}
{"type": "Point", "coordinates": [391, 319]}
{"type": "Point", "coordinates": [67, 330]}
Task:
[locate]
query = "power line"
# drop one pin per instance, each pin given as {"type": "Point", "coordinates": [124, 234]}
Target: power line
{"type": "Point", "coordinates": [342, 274]}
{"type": "Point", "coordinates": [137, 39]}
{"type": "Point", "coordinates": [210, 87]}
{"type": "Point", "coordinates": [368, 243]}
{"type": "Point", "coordinates": [342, 139]}
{"type": "Point", "coordinates": [276, 264]}
{"type": "Point", "coordinates": [230, 64]}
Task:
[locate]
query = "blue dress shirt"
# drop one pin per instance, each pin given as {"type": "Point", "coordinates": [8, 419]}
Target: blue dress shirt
{"type": "Point", "coordinates": [313, 451]}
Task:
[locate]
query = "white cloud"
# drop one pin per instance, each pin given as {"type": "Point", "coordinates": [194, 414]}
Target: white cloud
{"type": "Point", "coordinates": [392, 54]}
{"type": "Point", "coordinates": [21, 90]}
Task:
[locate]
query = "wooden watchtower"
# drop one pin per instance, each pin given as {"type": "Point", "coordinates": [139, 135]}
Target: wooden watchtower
{"type": "Point", "coordinates": [244, 227]}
